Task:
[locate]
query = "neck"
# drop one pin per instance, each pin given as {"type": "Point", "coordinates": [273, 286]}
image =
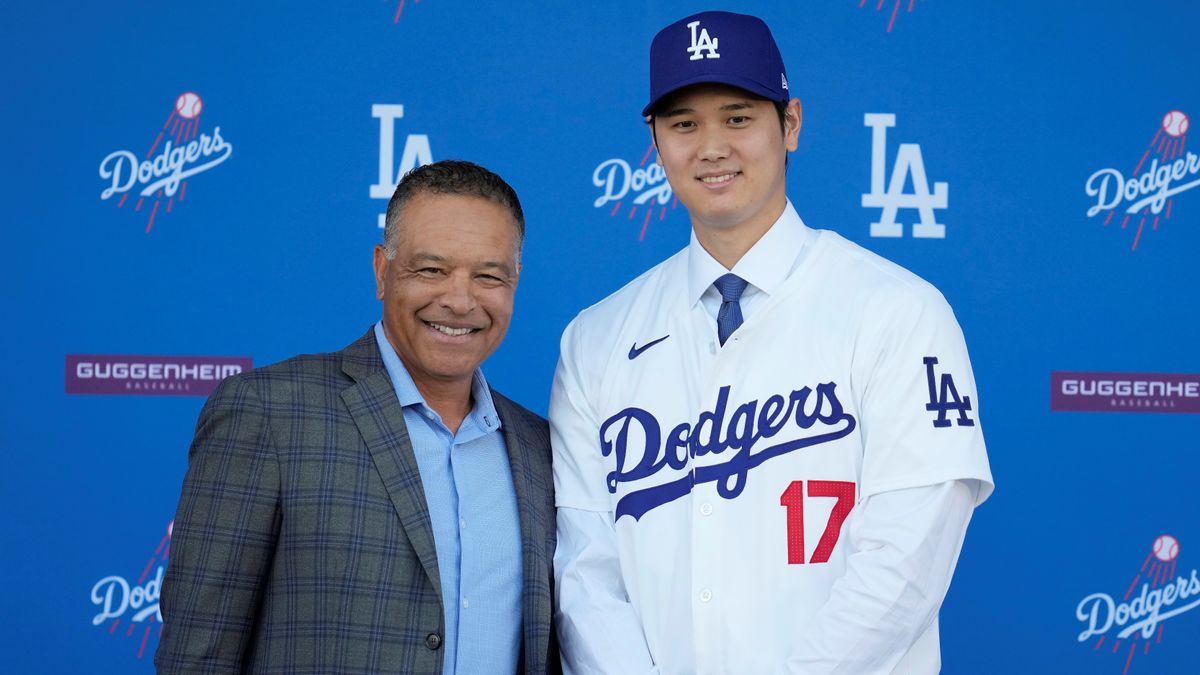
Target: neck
{"type": "Point", "coordinates": [450, 400]}
{"type": "Point", "coordinates": [728, 243]}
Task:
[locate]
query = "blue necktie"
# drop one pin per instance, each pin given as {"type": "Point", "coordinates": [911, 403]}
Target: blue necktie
{"type": "Point", "coordinates": [731, 287]}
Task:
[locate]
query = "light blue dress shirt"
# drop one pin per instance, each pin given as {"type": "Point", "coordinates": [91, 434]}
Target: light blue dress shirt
{"type": "Point", "coordinates": [476, 528]}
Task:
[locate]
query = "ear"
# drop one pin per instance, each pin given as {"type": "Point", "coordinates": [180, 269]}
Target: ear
{"type": "Point", "coordinates": [381, 265]}
{"type": "Point", "coordinates": [793, 115]}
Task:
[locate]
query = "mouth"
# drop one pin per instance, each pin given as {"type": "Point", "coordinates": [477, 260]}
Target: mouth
{"type": "Point", "coordinates": [719, 179]}
{"type": "Point", "coordinates": [451, 331]}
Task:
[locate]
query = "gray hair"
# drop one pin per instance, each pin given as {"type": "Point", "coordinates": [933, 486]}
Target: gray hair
{"type": "Point", "coordinates": [450, 177]}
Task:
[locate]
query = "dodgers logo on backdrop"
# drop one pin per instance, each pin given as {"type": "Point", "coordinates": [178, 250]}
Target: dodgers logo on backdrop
{"type": "Point", "coordinates": [645, 187]}
{"type": "Point", "coordinates": [150, 375]}
{"type": "Point", "coordinates": [186, 152]}
{"type": "Point", "coordinates": [1132, 623]}
{"type": "Point", "coordinates": [1125, 392]}
{"type": "Point", "coordinates": [128, 606]}
{"type": "Point", "coordinates": [894, 8]}
{"type": "Point", "coordinates": [1148, 194]}
{"type": "Point", "coordinates": [634, 438]}
{"type": "Point", "coordinates": [415, 153]}
{"type": "Point", "coordinates": [909, 164]}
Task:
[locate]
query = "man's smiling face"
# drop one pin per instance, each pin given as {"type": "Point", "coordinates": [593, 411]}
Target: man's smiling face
{"type": "Point", "coordinates": [724, 154]}
{"type": "Point", "coordinates": [447, 289]}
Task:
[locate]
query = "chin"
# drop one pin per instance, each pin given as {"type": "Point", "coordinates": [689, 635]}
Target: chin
{"type": "Point", "coordinates": [722, 218]}
{"type": "Point", "coordinates": [456, 370]}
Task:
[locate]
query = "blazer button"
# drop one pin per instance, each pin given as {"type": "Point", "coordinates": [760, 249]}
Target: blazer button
{"type": "Point", "coordinates": [433, 640]}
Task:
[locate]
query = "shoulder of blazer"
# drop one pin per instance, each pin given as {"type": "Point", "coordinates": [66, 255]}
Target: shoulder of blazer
{"type": "Point", "coordinates": [358, 359]}
{"type": "Point", "coordinates": [305, 375]}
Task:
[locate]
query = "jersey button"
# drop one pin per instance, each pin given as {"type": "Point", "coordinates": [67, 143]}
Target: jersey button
{"type": "Point", "coordinates": [705, 595]}
{"type": "Point", "coordinates": [706, 509]}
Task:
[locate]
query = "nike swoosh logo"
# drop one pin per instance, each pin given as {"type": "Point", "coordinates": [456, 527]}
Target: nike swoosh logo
{"type": "Point", "coordinates": [636, 351]}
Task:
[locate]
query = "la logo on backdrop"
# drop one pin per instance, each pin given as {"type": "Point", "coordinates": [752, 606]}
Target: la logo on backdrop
{"type": "Point", "coordinates": [909, 165]}
{"type": "Point", "coordinates": [634, 191]}
{"type": "Point", "coordinates": [129, 608]}
{"type": "Point", "coordinates": [1131, 623]}
{"type": "Point", "coordinates": [182, 151]}
{"type": "Point", "coordinates": [416, 151]}
{"type": "Point", "coordinates": [1148, 194]}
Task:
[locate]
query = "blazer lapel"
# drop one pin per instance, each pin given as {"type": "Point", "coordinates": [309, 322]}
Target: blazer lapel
{"type": "Point", "coordinates": [532, 526]}
{"type": "Point", "coordinates": [380, 419]}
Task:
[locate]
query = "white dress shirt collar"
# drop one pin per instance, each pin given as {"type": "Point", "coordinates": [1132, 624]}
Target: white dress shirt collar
{"type": "Point", "coordinates": [765, 266]}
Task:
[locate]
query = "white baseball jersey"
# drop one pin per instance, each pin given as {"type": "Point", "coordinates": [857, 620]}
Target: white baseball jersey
{"type": "Point", "coordinates": [730, 469]}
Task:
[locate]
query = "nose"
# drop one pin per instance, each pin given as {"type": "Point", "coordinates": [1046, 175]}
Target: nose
{"type": "Point", "coordinates": [458, 294]}
{"type": "Point", "coordinates": [714, 146]}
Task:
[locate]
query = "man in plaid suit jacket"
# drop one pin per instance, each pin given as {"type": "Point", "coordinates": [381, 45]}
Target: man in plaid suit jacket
{"type": "Point", "coordinates": [304, 541]}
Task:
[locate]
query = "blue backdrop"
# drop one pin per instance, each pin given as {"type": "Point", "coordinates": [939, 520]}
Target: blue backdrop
{"type": "Point", "coordinates": [1018, 108]}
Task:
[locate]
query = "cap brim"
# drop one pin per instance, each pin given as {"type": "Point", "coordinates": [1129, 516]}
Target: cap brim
{"type": "Point", "coordinates": [751, 86]}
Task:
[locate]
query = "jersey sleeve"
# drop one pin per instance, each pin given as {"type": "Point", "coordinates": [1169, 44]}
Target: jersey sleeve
{"type": "Point", "coordinates": [599, 631]}
{"type": "Point", "coordinates": [904, 547]}
{"type": "Point", "coordinates": [579, 471]}
{"type": "Point", "coordinates": [917, 399]}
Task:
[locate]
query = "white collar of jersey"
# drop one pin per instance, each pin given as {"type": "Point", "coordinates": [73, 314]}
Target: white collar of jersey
{"type": "Point", "coordinates": [766, 265]}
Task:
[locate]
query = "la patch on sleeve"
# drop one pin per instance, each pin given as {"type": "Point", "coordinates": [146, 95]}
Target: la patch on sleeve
{"type": "Point", "coordinates": [944, 397]}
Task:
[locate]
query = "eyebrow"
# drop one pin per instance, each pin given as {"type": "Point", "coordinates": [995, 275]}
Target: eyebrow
{"type": "Point", "coordinates": [494, 264]}
{"type": "Point", "coordinates": [421, 256]}
{"type": "Point", "coordinates": [728, 107]}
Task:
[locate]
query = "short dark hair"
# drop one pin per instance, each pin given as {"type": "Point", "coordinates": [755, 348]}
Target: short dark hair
{"type": "Point", "coordinates": [450, 177]}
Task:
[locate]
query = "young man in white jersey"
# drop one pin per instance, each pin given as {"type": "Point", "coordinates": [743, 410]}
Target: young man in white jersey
{"type": "Point", "coordinates": [766, 448]}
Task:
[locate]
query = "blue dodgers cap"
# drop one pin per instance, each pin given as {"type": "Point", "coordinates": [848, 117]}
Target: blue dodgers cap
{"type": "Point", "coordinates": [722, 47]}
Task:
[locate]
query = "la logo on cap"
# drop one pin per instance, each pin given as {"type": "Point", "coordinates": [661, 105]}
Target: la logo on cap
{"type": "Point", "coordinates": [703, 43]}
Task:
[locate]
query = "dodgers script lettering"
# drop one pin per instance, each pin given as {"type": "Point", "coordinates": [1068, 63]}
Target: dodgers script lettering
{"type": "Point", "coordinates": [712, 433]}
{"type": "Point", "coordinates": [617, 178]}
{"type": "Point", "coordinates": [166, 171]}
{"type": "Point", "coordinates": [115, 596]}
{"type": "Point", "coordinates": [1156, 184]}
{"type": "Point", "coordinates": [1143, 614]}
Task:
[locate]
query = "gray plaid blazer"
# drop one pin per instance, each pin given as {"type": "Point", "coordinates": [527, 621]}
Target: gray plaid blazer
{"type": "Point", "coordinates": [303, 544]}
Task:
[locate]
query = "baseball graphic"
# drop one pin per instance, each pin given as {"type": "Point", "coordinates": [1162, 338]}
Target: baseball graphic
{"type": "Point", "coordinates": [1175, 123]}
{"type": "Point", "coordinates": [1166, 548]}
{"type": "Point", "coordinates": [188, 106]}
